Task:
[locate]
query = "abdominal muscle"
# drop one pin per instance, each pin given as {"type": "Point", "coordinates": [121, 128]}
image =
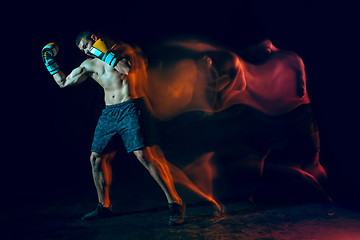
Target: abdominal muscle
{"type": "Point", "coordinates": [117, 96]}
{"type": "Point", "coordinates": [115, 85]}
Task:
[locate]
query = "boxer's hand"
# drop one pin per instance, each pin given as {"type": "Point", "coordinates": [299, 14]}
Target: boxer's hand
{"type": "Point", "coordinates": [100, 50]}
{"type": "Point", "coordinates": [50, 50]}
{"type": "Point", "coordinates": [48, 53]}
{"type": "Point", "coordinates": [123, 66]}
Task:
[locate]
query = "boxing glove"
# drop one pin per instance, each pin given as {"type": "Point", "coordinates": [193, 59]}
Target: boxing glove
{"type": "Point", "coordinates": [48, 53]}
{"type": "Point", "coordinates": [100, 50]}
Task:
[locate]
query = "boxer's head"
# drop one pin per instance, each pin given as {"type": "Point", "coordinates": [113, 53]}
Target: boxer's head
{"type": "Point", "coordinates": [85, 40]}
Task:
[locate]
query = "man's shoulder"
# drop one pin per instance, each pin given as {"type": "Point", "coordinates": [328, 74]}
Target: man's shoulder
{"type": "Point", "coordinates": [91, 63]}
{"type": "Point", "coordinates": [88, 61]}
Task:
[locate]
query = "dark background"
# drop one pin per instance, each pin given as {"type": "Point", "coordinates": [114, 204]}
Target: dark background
{"type": "Point", "coordinates": [48, 131]}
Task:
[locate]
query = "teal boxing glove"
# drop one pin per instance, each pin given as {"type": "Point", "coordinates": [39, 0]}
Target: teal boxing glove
{"type": "Point", "coordinates": [48, 53]}
{"type": "Point", "coordinates": [100, 50]}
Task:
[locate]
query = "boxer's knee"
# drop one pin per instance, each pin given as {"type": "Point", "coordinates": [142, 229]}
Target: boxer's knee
{"type": "Point", "coordinates": [95, 161]}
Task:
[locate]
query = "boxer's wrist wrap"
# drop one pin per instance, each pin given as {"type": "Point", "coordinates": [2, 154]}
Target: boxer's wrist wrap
{"type": "Point", "coordinates": [52, 67]}
{"type": "Point", "coordinates": [110, 58]}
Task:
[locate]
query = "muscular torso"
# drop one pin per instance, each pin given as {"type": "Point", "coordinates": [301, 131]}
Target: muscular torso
{"type": "Point", "coordinates": [115, 84]}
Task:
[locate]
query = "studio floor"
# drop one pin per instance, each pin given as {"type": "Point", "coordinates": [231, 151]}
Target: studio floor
{"type": "Point", "coordinates": [59, 219]}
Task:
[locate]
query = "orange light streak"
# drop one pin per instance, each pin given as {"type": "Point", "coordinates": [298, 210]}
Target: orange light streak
{"type": "Point", "coordinates": [211, 82]}
{"type": "Point", "coordinates": [202, 174]}
{"type": "Point", "coordinates": [107, 176]}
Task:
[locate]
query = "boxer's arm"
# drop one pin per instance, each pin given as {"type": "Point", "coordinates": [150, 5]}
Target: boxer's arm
{"type": "Point", "coordinates": [77, 76]}
{"type": "Point", "coordinates": [123, 66]}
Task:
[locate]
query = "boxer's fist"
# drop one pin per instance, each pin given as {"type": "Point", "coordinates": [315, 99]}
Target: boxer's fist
{"type": "Point", "coordinates": [50, 50]}
{"type": "Point", "coordinates": [100, 50]}
{"type": "Point", "coordinates": [48, 53]}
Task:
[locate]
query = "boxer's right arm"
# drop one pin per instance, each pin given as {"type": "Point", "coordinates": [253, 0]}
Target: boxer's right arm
{"type": "Point", "coordinates": [77, 76]}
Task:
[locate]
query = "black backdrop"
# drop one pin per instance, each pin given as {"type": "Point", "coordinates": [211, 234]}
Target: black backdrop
{"type": "Point", "coordinates": [47, 131]}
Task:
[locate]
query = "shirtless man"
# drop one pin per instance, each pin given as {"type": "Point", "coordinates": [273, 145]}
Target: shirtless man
{"type": "Point", "coordinates": [109, 67]}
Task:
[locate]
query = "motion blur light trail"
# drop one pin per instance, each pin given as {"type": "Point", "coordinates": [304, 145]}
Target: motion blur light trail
{"type": "Point", "coordinates": [208, 78]}
{"type": "Point", "coordinates": [202, 173]}
{"type": "Point", "coordinates": [196, 76]}
{"type": "Point", "coordinates": [157, 158]}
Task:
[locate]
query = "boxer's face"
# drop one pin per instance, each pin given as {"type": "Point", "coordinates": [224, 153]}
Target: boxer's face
{"type": "Point", "coordinates": [86, 44]}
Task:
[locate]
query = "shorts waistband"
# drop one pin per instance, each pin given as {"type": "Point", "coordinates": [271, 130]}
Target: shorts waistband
{"type": "Point", "coordinates": [123, 103]}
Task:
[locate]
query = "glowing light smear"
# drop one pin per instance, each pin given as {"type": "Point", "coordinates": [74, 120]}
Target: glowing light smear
{"type": "Point", "coordinates": [156, 156]}
{"type": "Point", "coordinates": [202, 173]}
{"type": "Point", "coordinates": [107, 177]}
{"type": "Point", "coordinates": [211, 79]}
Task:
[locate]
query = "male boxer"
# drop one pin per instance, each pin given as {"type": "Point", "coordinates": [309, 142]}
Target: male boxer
{"type": "Point", "coordinates": [110, 66]}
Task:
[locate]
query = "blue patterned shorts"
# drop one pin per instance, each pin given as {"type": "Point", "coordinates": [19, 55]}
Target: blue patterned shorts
{"type": "Point", "coordinates": [124, 119]}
